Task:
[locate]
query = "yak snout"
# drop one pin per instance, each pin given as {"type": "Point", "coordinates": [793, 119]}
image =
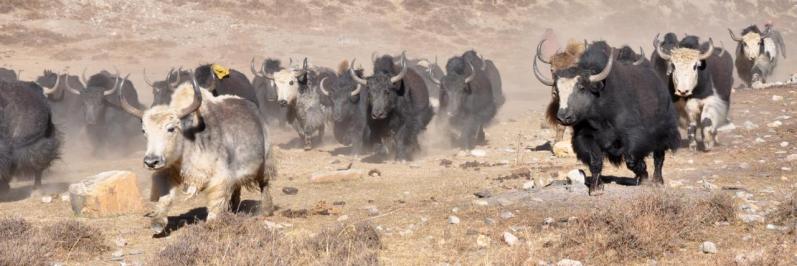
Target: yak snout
{"type": "Point", "coordinates": [283, 103]}
{"type": "Point", "coordinates": [565, 117]}
{"type": "Point", "coordinates": [153, 162]}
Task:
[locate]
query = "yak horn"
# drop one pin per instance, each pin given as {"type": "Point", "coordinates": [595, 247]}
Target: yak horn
{"type": "Point", "coordinates": [606, 70]}
{"type": "Point", "coordinates": [403, 72]}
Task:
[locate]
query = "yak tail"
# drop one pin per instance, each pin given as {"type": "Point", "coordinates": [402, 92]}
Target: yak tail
{"type": "Point", "coordinates": [343, 67]}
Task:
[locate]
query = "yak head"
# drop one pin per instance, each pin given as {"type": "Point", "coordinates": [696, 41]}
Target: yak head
{"type": "Point", "coordinates": [560, 60]}
{"type": "Point", "coordinates": [578, 87]}
{"type": "Point", "coordinates": [751, 42]}
{"type": "Point", "coordinates": [165, 126]}
{"type": "Point", "coordinates": [50, 82]}
{"type": "Point", "coordinates": [384, 87]}
{"type": "Point", "coordinates": [345, 93]}
{"type": "Point", "coordinates": [260, 82]}
{"type": "Point", "coordinates": [162, 90]}
{"type": "Point", "coordinates": [289, 82]}
{"type": "Point", "coordinates": [93, 95]}
{"type": "Point", "coordinates": [685, 62]}
{"type": "Point", "coordinates": [456, 83]}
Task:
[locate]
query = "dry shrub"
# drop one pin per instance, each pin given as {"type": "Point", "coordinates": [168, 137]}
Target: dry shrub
{"type": "Point", "coordinates": [643, 227]}
{"type": "Point", "coordinates": [786, 213]}
{"type": "Point", "coordinates": [241, 240]}
{"type": "Point", "coordinates": [24, 244]}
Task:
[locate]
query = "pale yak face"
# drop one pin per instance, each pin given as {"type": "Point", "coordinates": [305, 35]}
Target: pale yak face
{"type": "Point", "coordinates": [287, 86]}
{"type": "Point", "coordinates": [684, 66]}
{"type": "Point", "coordinates": [751, 43]}
{"type": "Point", "coordinates": [162, 128]}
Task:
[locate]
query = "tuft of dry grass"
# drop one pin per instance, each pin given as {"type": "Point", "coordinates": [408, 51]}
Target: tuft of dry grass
{"type": "Point", "coordinates": [644, 227]}
{"type": "Point", "coordinates": [22, 243]}
{"type": "Point", "coordinates": [240, 240]}
{"type": "Point", "coordinates": [786, 213]}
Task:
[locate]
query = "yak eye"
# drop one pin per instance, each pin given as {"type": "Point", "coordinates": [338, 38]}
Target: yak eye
{"type": "Point", "coordinates": [170, 129]}
{"type": "Point", "coordinates": [290, 83]}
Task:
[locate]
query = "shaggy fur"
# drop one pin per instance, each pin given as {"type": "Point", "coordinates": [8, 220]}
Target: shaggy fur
{"type": "Point", "coordinates": [221, 147]}
{"type": "Point", "coordinates": [161, 93]}
{"type": "Point", "coordinates": [235, 84]}
{"type": "Point", "coordinates": [108, 127]}
{"type": "Point", "coordinates": [29, 141]}
{"type": "Point", "coordinates": [66, 107]}
{"type": "Point", "coordinates": [568, 58]}
{"type": "Point", "coordinates": [7, 74]}
{"type": "Point", "coordinates": [398, 111]}
{"type": "Point", "coordinates": [350, 113]}
{"type": "Point", "coordinates": [266, 91]}
{"type": "Point", "coordinates": [625, 117]}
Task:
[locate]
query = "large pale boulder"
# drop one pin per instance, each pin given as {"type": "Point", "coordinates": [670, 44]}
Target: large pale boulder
{"type": "Point", "coordinates": [106, 194]}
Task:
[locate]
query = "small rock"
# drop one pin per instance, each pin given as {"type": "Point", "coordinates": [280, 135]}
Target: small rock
{"type": "Point", "coordinates": [791, 157]}
{"type": "Point", "coordinates": [563, 149]}
{"type": "Point", "coordinates": [528, 185]}
{"type": "Point", "coordinates": [481, 203]}
{"type": "Point", "coordinates": [47, 199]}
{"type": "Point", "coordinates": [455, 209]}
{"type": "Point", "coordinates": [748, 258]}
{"type": "Point", "coordinates": [744, 165]}
{"type": "Point", "coordinates": [343, 218]}
{"type": "Point", "coordinates": [548, 221]}
{"type": "Point", "coordinates": [483, 241]}
{"type": "Point", "coordinates": [120, 242]}
{"type": "Point", "coordinates": [510, 239]}
{"type": "Point", "coordinates": [65, 196]}
{"type": "Point", "coordinates": [273, 226]}
{"type": "Point", "coordinates": [478, 153]}
{"type": "Point", "coordinates": [375, 173]}
{"type": "Point", "coordinates": [775, 124]}
{"type": "Point", "coordinates": [569, 262]}
{"type": "Point", "coordinates": [117, 255]}
{"type": "Point", "coordinates": [759, 140]}
{"type": "Point", "coordinates": [453, 219]}
{"type": "Point", "coordinates": [506, 215]}
{"type": "Point", "coordinates": [290, 190]}
{"type": "Point", "coordinates": [784, 144]}
{"type": "Point", "coordinates": [372, 211]}
{"type": "Point", "coordinates": [489, 221]}
{"type": "Point", "coordinates": [708, 247]}
{"type": "Point", "coordinates": [483, 194]}
{"type": "Point", "coordinates": [505, 202]}
{"type": "Point", "coordinates": [776, 227]}
{"type": "Point", "coordinates": [576, 176]}
{"type": "Point", "coordinates": [337, 176]}
{"type": "Point", "coordinates": [777, 98]}
{"type": "Point", "coordinates": [786, 169]}
{"type": "Point", "coordinates": [750, 125]}
{"type": "Point", "coordinates": [522, 172]}
{"type": "Point", "coordinates": [751, 218]}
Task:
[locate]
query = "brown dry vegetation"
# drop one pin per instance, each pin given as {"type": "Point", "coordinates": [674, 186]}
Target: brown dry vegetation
{"type": "Point", "coordinates": [241, 240]}
{"type": "Point", "coordinates": [23, 243]}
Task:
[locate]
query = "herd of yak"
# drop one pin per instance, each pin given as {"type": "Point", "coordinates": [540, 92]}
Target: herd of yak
{"type": "Point", "coordinates": [207, 128]}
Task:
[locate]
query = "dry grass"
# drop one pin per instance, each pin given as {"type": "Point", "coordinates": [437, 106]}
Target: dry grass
{"type": "Point", "coordinates": [22, 243]}
{"type": "Point", "coordinates": [786, 214]}
{"type": "Point", "coordinates": [240, 240]}
{"type": "Point", "coordinates": [644, 227]}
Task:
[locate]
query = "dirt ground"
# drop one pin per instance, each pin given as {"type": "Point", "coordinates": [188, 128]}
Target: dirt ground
{"type": "Point", "coordinates": [414, 200]}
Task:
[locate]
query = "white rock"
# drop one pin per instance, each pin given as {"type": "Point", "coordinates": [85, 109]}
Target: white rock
{"type": "Point", "coordinates": [777, 98]}
{"type": "Point", "coordinates": [478, 153]}
{"type": "Point", "coordinates": [791, 157]}
{"type": "Point", "coordinates": [784, 144]}
{"type": "Point", "coordinates": [343, 218]}
{"type": "Point", "coordinates": [750, 125]}
{"type": "Point", "coordinates": [65, 196]}
{"type": "Point", "coordinates": [576, 176]}
{"type": "Point", "coordinates": [483, 241]}
{"type": "Point", "coordinates": [510, 239]}
{"type": "Point", "coordinates": [759, 140]}
{"type": "Point", "coordinates": [775, 124]}
{"type": "Point", "coordinates": [776, 227]}
{"type": "Point", "coordinates": [528, 185]}
{"type": "Point", "coordinates": [507, 215]}
{"type": "Point", "coordinates": [786, 169]}
{"type": "Point", "coordinates": [372, 211]}
{"type": "Point", "coordinates": [453, 219]}
{"type": "Point", "coordinates": [481, 203]}
{"type": "Point", "coordinates": [751, 218]}
{"type": "Point", "coordinates": [708, 247]}
{"type": "Point", "coordinates": [47, 199]}
{"type": "Point", "coordinates": [548, 221]}
{"type": "Point", "coordinates": [569, 262]}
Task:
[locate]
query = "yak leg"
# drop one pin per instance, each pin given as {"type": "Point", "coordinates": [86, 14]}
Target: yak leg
{"type": "Point", "coordinates": [469, 134]}
{"type": "Point", "coordinates": [402, 142]}
{"type": "Point", "coordinates": [658, 164]}
{"type": "Point", "coordinates": [640, 169]}
{"type": "Point", "coordinates": [693, 110]}
{"type": "Point", "coordinates": [713, 114]}
{"type": "Point", "coordinates": [218, 198]}
{"type": "Point", "coordinates": [560, 133]}
{"type": "Point", "coordinates": [37, 183]}
{"type": "Point", "coordinates": [266, 203]}
{"type": "Point", "coordinates": [235, 200]}
{"type": "Point", "coordinates": [587, 150]}
{"type": "Point", "coordinates": [159, 219]}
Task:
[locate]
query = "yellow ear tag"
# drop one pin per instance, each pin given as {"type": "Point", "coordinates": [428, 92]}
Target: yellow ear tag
{"type": "Point", "coordinates": [220, 71]}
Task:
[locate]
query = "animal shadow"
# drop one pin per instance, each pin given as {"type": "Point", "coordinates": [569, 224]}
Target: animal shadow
{"type": "Point", "coordinates": [25, 192]}
{"type": "Point", "coordinates": [194, 216]}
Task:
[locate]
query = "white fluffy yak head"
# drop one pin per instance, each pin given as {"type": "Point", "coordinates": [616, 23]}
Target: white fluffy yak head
{"type": "Point", "coordinates": [686, 62]}
{"type": "Point", "coordinates": [288, 82]}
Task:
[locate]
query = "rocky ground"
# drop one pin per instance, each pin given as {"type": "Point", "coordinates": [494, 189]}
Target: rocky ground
{"type": "Point", "coordinates": [504, 203]}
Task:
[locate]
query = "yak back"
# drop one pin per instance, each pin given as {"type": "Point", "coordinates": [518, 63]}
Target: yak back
{"type": "Point", "coordinates": [25, 113]}
{"type": "Point", "coordinates": [235, 84]}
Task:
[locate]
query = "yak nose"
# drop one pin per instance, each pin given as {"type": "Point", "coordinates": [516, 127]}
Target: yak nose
{"type": "Point", "coordinates": [152, 161]}
{"type": "Point", "coordinates": [283, 102]}
{"type": "Point", "coordinates": [565, 117]}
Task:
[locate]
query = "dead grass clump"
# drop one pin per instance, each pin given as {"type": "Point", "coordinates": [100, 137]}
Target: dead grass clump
{"type": "Point", "coordinates": [24, 244]}
{"type": "Point", "coordinates": [643, 227]}
{"type": "Point", "coordinates": [241, 240]}
{"type": "Point", "coordinates": [786, 213]}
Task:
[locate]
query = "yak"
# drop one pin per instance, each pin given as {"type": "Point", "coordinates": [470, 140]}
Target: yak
{"type": "Point", "coordinates": [205, 143]}
{"type": "Point", "coordinates": [66, 107]}
{"type": "Point", "coordinates": [757, 54]}
{"type": "Point", "coordinates": [266, 92]}
{"type": "Point", "coordinates": [350, 110]}
{"type": "Point", "coordinates": [225, 81]}
{"type": "Point", "coordinates": [622, 112]}
{"type": "Point", "coordinates": [162, 90]}
{"type": "Point", "coordinates": [29, 141]}
{"type": "Point", "coordinates": [560, 60]}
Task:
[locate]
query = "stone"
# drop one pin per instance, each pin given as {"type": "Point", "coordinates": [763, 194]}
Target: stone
{"type": "Point", "coordinates": [483, 194]}
{"type": "Point", "coordinates": [118, 255]}
{"type": "Point", "coordinates": [791, 157]}
{"type": "Point", "coordinates": [528, 185]}
{"type": "Point", "coordinates": [120, 242]}
{"type": "Point", "coordinates": [569, 262]}
{"type": "Point", "coordinates": [453, 219]}
{"type": "Point", "coordinates": [776, 227]}
{"type": "Point", "coordinates": [750, 258]}
{"type": "Point", "coordinates": [784, 144]}
{"type": "Point", "coordinates": [548, 221]}
{"type": "Point", "coordinates": [750, 125]}
{"type": "Point", "coordinates": [483, 241]}
{"type": "Point", "coordinates": [522, 172]}
{"type": "Point", "coordinates": [372, 211]}
{"type": "Point", "coordinates": [47, 199]}
{"type": "Point", "coordinates": [290, 190]}
{"type": "Point", "coordinates": [563, 149]}
{"type": "Point", "coordinates": [64, 196]}
{"type": "Point", "coordinates": [576, 176]}
{"type": "Point", "coordinates": [708, 247]}
{"type": "Point", "coordinates": [375, 173]}
{"type": "Point", "coordinates": [106, 194]}
{"type": "Point", "coordinates": [481, 203]}
{"type": "Point", "coordinates": [777, 98]}
{"type": "Point", "coordinates": [343, 218]}
{"type": "Point", "coordinates": [478, 153]}
{"type": "Point", "coordinates": [337, 176]}
{"type": "Point", "coordinates": [775, 124]}
{"type": "Point", "coordinates": [751, 218]}
{"type": "Point", "coordinates": [489, 221]}
{"type": "Point", "coordinates": [759, 140]}
{"type": "Point", "coordinates": [510, 239]}
{"type": "Point", "coordinates": [506, 215]}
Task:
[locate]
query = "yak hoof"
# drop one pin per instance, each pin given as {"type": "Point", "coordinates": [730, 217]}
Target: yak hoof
{"type": "Point", "coordinates": [159, 225]}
